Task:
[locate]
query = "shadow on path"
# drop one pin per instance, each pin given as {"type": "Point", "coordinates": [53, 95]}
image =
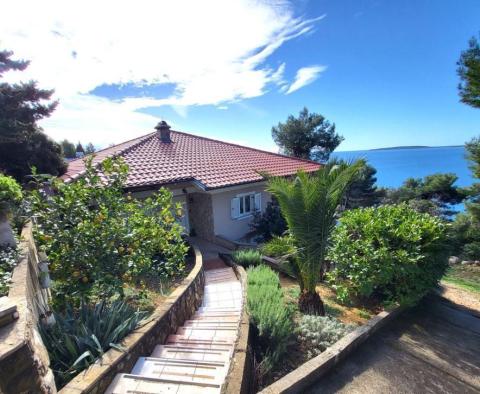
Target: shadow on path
{"type": "Point", "coordinates": [431, 348]}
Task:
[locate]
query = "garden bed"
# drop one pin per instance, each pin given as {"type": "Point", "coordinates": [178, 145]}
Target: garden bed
{"type": "Point", "coordinates": [298, 352]}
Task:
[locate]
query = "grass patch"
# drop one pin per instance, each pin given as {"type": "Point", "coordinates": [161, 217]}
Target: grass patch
{"type": "Point", "coordinates": [464, 276]}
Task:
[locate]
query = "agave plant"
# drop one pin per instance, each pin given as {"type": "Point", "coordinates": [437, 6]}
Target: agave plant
{"type": "Point", "coordinates": [309, 204]}
{"type": "Point", "coordinates": [81, 336]}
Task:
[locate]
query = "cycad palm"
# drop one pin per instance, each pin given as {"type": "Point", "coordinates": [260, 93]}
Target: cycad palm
{"type": "Point", "coordinates": [309, 203]}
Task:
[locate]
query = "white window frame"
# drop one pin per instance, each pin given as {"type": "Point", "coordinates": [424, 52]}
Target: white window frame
{"type": "Point", "coordinates": [240, 199]}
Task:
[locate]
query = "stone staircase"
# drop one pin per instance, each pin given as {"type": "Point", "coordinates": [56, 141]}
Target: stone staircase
{"type": "Point", "coordinates": [197, 357]}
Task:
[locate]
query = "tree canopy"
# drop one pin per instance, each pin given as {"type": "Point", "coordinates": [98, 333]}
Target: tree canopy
{"type": "Point", "coordinates": [363, 191]}
{"type": "Point", "coordinates": [309, 136]}
{"type": "Point", "coordinates": [434, 194]}
{"type": "Point", "coordinates": [68, 149]}
{"type": "Point", "coordinates": [469, 72]}
{"type": "Point", "coordinates": [22, 142]}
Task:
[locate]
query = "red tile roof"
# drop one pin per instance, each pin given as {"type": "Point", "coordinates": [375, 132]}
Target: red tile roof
{"type": "Point", "coordinates": [212, 163]}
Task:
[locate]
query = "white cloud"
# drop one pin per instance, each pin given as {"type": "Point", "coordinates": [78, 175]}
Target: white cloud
{"type": "Point", "coordinates": [305, 76]}
{"type": "Point", "coordinates": [214, 51]}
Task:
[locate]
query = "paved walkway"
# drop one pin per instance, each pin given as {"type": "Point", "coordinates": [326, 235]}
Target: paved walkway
{"type": "Point", "coordinates": [196, 358]}
{"type": "Point", "coordinates": [432, 348]}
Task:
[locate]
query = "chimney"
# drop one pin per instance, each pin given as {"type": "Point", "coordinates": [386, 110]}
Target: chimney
{"type": "Point", "coordinates": [163, 129]}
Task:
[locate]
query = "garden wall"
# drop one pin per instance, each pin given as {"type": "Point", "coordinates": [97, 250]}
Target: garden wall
{"type": "Point", "coordinates": [165, 320]}
{"type": "Point", "coordinates": [24, 361]}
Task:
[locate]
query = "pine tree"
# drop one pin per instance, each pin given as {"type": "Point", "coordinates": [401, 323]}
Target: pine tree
{"type": "Point", "coordinates": [310, 136]}
{"type": "Point", "coordinates": [469, 72]}
{"type": "Point", "coordinates": [22, 142]}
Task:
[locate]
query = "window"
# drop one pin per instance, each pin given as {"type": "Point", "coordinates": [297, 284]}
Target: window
{"type": "Point", "coordinates": [245, 204]}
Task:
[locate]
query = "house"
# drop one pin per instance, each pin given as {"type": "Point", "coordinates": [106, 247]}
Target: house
{"type": "Point", "coordinates": [218, 183]}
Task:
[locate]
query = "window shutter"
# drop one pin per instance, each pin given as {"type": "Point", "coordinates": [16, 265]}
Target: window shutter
{"type": "Point", "coordinates": [258, 202]}
{"type": "Point", "coordinates": [235, 207]}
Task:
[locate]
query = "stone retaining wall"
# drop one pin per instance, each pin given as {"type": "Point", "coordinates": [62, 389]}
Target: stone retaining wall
{"type": "Point", "coordinates": [24, 361]}
{"type": "Point", "coordinates": [310, 372]}
{"type": "Point", "coordinates": [240, 377]}
{"type": "Point", "coordinates": [177, 308]}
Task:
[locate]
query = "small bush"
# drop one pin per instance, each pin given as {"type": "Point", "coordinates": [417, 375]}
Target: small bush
{"type": "Point", "coordinates": [279, 247]}
{"type": "Point", "coordinates": [269, 223]}
{"type": "Point", "coordinates": [316, 333]}
{"type": "Point", "coordinates": [10, 191]}
{"type": "Point", "coordinates": [269, 314]}
{"type": "Point", "coordinates": [392, 253]}
{"type": "Point", "coordinates": [78, 338]}
{"type": "Point", "coordinates": [247, 257]}
{"type": "Point", "coordinates": [8, 261]}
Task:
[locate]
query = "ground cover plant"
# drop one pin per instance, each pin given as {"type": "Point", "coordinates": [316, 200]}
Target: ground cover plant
{"type": "Point", "coordinates": [279, 247]}
{"type": "Point", "coordinates": [272, 320]}
{"type": "Point", "coordinates": [247, 257]}
{"type": "Point", "coordinates": [80, 335]}
{"type": "Point", "coordinates": [8, 261]}
{"type": "Point", "coordinates": [316, 333]}
{"type": "Point", "coordinates": [98, 239]}
{"type": "Point", "coordinates": [392, 253]}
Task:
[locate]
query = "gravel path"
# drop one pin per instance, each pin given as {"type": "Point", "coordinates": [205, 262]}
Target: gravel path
{"type": "Point", "coordinates": [460, 296]}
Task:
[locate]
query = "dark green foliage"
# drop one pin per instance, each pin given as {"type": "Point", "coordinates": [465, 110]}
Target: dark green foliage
{"type": "Point", "coordinates": [434, 194]}
{"type": "Point", "coordinates": [247, 257]}
{"type": "Point", "coordinates": [469, 72]}
{"type": "Point", "coordinates": [269, 223]}
{"type": "Point", "coordinates": [310, 136]}
{"type": "Point", "coordinates": [68, 149]}
{"type": "Point", "coordinates": [465, 232]}
{"type": "Point", "coordinates": [79, 337]}
{"type": "Point", "coordinates": [272, 319]}
{"type": "Point", "coordinates": [22, 142]}
{"type": "Point", "coordinates": [97, 238]}
{"type": "Point", "coordinates": [391, 253]}
{"type": "Point", "coordinates": [363, 191]}
{"type": "Point", "coordinates": [89, 149]}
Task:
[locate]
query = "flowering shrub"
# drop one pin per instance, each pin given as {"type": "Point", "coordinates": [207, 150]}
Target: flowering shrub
{"type": "Point", "coordinates": [392, 253]}
{"type": "Point", "coordinates": [97, 238]}
{"type": "Point", "coordinates": [316, 333]}
{"type": "Point", "coordinates": [8, 260]}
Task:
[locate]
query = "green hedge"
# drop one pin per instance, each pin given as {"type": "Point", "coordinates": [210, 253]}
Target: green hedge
{"type": "Point", "coordinates": [392, 253]}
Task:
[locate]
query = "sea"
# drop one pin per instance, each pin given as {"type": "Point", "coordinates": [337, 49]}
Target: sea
{"type": "Point", "coordinates": [394, 165]}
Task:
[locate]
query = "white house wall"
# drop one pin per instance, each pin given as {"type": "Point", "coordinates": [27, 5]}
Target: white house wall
{"type": "Point", "coordinates": [224, 225]}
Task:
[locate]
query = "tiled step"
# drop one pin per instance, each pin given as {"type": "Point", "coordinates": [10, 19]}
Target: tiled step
{"type": "Point", "coordinates": [191, 353]}
{"type": "Point", "coordinates": [208, 333]}
{"type": "Point", "coordinates": [223, 316]}
{"type": "Point", "coordinates": [133, 384]}
{"type": "Point", "coordinates": [203, 343]}
{"type": "Point", "coordinates": [187, 371]}
{"type": "Point", "coordinates": [211, 323]}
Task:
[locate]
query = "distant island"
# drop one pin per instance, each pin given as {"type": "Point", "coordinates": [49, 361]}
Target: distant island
{"type": "Point", "coordinates": [417, 147]}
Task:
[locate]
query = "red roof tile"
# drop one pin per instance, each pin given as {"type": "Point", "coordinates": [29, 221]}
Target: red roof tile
{"type": "Point", "coordinates": [211, 162]}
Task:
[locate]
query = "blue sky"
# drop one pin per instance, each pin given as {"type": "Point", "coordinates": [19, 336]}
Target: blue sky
{"type": "Point", "coordinates": [383, 71]}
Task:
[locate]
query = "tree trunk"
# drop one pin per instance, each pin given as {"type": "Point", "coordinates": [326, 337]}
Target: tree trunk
{"type": "Point", "coordinates": [310, 303]}
{"type": "Point", "coordinates": [6, 234]}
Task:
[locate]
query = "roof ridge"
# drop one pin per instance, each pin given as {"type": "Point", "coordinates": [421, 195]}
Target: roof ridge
{"type": "Point", "coordinates": [247, 147]}
{"type": "Point", "coordinates": [140, 139]}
